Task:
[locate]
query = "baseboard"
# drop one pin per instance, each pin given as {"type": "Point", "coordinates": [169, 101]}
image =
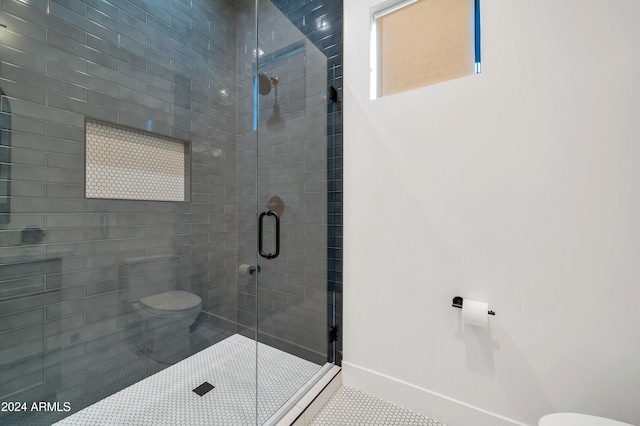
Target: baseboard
{"type": "Point", "coordinates": [217, 323]}
{"type": "Point", "coordinates": [431, 404]}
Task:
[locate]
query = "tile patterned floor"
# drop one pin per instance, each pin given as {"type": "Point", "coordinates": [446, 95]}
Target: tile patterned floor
{"type": "Point", "coordinates": [167, 397]}
{"type": "Point", "coordinates": [350, 407]}
{"type": "Point", "coordinates": [121, 367]}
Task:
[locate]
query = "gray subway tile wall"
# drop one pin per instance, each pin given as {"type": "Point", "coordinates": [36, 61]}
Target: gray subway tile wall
{"type": "Point", "coordinates": [131, 64]}
{"type": "Point", "coordinates": [182, 70]}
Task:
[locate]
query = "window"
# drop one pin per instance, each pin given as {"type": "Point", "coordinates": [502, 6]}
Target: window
{"type": "Point", "coordinates": [416, 43]}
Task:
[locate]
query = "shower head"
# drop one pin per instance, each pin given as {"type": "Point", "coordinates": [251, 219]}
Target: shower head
{"type": "Point", "coordinates": [275, 121]}
{"type": "Point", "coordinates": [265, 82]}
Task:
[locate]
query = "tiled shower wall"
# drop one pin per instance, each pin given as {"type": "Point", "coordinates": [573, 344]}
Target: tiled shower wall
{"type": "Point", "coordinates": [168, 69]}
{"type": "Point", "coordinates": [171, 70]}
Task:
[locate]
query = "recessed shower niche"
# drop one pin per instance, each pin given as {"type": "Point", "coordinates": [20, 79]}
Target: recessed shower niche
{"type": "Point", "coordinates": [128, 164]}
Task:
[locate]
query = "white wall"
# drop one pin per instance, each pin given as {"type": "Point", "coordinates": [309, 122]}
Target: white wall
{"type": "Point", "coordinates": [520, 187]}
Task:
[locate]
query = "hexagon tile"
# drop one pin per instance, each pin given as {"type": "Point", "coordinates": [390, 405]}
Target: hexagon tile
{"type": "Point", "coordinates": [350, 407]}
{"type": "Point", "coordinates": [168, 399]}
{"type": "Point", "coordinates": [129, 164]}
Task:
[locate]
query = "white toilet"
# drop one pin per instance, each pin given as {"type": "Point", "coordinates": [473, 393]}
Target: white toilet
{"type": "Point", "coordinates": [166, 319]}
{"type": "Point", "coordinates": [574, 419]}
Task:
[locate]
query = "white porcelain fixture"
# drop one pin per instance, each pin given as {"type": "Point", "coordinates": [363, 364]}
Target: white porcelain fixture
{"type": "Point", "coordinates": [166, 320]}
{"type": "Point", "coordinates": [574, 419]}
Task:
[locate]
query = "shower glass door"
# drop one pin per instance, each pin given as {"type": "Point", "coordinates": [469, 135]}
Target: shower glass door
{"type": "Point", "coordinates": [290, 118]}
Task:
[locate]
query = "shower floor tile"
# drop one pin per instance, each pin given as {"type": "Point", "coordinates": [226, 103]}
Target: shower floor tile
{"type": "Point", "coordinates": [349, 406]}
{"type": "Point", "coordinates": [167, 397]}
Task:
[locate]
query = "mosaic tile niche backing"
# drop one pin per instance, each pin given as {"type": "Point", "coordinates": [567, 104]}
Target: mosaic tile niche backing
{"type": "Point", "coordinates": [128, 164]}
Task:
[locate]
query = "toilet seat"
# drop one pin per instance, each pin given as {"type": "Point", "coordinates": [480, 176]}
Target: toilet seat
{"type": "Point", "coordinates": [170, 302]}
{"type": "Point", "coordinates": [574, 419]}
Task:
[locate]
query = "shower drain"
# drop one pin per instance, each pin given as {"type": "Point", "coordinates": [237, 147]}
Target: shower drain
{"type": "Point", "coordinates": [203, 388]}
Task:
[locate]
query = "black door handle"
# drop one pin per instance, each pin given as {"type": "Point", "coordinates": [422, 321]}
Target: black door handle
{"type": "Point", "coordinates": [260, 232]}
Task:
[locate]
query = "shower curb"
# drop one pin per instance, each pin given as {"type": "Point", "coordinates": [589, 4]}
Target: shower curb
{"type": "Point", "coordinates": [307, 407]}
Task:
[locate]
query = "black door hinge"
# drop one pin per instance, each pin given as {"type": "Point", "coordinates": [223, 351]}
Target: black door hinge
{"type": "Point", "coordinates": [333, 333]}
{"type": "Point", "coordinates": [333, 94]}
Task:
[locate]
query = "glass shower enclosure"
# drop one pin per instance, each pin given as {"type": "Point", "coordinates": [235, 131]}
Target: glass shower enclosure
{"type": "Point", "coordinates": [164, 212]}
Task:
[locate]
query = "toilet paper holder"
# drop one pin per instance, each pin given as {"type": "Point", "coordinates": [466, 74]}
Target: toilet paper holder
{"type": "Point", "coordinates": [457, 303]}
{"type": "Point", "coordinates": [246, 269]}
